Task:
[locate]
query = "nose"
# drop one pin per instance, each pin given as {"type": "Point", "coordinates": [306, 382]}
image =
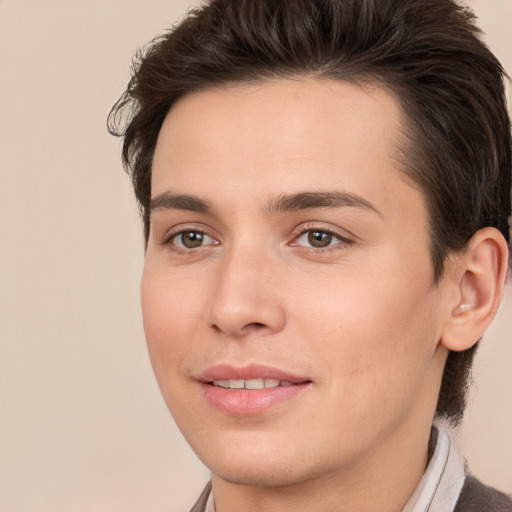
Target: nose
{"type": "Point", "coordinates": [247, 299]}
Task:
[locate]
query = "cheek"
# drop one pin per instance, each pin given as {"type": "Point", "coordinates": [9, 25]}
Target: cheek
{"type": "Point", "coordinates": [377, 340]}
{"type": "Point", "coordinates": [167, 314]}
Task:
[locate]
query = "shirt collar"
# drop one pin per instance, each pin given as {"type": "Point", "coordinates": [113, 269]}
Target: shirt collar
{"type": "Point", "coordinates": [440, 486]}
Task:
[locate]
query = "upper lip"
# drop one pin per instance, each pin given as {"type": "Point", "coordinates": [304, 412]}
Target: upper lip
{"type": "Point", "coordinates": [252, 371]}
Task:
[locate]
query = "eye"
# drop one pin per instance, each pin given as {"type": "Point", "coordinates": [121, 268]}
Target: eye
{"type": "Point", "coordinates": [191, 239]}
{"type": "Point", "coordinates": [318, 239]}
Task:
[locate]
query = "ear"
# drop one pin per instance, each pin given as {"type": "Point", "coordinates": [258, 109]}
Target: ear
{"type": "Point", "coordinates": [480, 273]}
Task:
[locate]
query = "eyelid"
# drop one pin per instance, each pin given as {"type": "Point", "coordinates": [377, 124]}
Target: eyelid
{"type": "Point", "coordinates": [342, 234]}
{"type": "Point", "coordinates": [175, 231]}
{"type": "Point", "coordinates": [344, 238]}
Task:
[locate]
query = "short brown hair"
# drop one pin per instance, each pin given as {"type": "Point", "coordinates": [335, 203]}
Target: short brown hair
{"type": "Point", "coordinates": [428, 53]}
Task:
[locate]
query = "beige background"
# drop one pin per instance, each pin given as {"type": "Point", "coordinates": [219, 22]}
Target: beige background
{"type": "Point", "coordinates": [82, 424]}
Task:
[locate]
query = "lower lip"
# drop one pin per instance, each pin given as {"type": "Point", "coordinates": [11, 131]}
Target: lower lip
{"type": "Point", "coordinates": [253, 401]}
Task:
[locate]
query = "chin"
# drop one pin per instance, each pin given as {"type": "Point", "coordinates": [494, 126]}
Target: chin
{"type": "Point", "coordinates": [266, 476]}
{"type": "Point", "coordinates": [275, 469]}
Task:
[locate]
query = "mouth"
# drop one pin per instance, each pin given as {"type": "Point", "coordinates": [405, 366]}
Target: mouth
{"type": "Point", "coordinates": [250, 390]}
{"type": "Point", "coordinates": [258, 383]}
{"type": "Point", "coordinates": [253, 376]}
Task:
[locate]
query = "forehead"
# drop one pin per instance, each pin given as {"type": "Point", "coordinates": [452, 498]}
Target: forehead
{"type": "Point", "coordinates": [255, 140]}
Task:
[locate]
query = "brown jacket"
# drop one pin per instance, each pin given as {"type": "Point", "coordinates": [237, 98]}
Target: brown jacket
{"type": "Point", "coordinates": [474, 497]}
{"type": "Point", "coordinates": [477, 497]}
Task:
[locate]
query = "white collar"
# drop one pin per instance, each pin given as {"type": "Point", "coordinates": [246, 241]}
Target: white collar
{"type": "Point", "coordinates": [440, 486]}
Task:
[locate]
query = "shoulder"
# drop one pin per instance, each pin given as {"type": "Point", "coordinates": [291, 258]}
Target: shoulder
{"type": "Point", "coordinates": [477, 497]}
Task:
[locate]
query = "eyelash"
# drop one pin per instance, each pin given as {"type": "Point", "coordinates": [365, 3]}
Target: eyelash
{"type": "Point", "coordinates": [342, 241]}
{"type": "Point", "coordinates": [168, 241]}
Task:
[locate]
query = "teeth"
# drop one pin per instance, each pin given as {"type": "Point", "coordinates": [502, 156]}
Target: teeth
{"type": "Point", "coordinates": [271, 383]}
{"type": "Point", "coordinates": [251, 383]}
{"type": "Point", "coordinates": [255, 384]}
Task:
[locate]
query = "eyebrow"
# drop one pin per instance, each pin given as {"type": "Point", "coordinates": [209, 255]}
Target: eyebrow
{"type": "Point", "coordinates": [187, 202]}
{"type": "Point", "coordinates": [284, 203]}
{"type": "Point", "coordinates": [307, 200]}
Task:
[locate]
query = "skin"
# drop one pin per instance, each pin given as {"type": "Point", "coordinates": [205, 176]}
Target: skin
{"type": "Point", "coordinates": [360, 317]}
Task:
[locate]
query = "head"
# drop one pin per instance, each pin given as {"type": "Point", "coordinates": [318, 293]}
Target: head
{"type": "Point", "coordinates": [453, 148]}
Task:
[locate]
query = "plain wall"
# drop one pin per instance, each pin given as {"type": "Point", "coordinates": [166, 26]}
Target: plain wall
{"type": "Point", "coordinates": [82, 423]}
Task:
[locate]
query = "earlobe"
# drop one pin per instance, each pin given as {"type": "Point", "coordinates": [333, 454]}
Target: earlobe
{"type": "Point", "coordinates": [481, 272]}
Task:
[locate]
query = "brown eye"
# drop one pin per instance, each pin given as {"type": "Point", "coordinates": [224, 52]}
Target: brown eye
{"type": "Point", "coordinates": [191, 239]}
{"type": "Point", "coordinates": [319, 239]}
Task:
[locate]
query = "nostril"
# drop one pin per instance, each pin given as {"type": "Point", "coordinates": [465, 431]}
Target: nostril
{"type": "Point", "coordinates": [254, 325]}
{"type": "Point", "coordinates": [246, 329]}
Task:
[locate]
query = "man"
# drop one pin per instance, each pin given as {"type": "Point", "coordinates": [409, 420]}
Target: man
{"type": "Point", "coordinates": [325, 190]}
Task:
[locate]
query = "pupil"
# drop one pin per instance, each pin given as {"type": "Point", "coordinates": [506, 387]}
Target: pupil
{"type": "Point", "coordinates": [192, 239]}
{"type": "Point", "coordinates": [319, 238]}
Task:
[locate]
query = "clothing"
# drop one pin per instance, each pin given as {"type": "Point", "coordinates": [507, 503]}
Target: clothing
{"type": "Point", "coordinates": [476, 497]}
{"type": "Point", "coordinates": [445, 486]}
{"type": "Point", "coordinates": [200, 505]}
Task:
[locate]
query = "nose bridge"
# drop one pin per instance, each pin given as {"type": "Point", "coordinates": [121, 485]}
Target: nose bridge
{"type": "Point", "coordinates": [246, 297]}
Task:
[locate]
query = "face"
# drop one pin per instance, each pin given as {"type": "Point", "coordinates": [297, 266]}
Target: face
{"type": "Point", "coordinates": [287, 294]}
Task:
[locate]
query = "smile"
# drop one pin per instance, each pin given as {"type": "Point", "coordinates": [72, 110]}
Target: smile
{"type": "Point", "coordinates": [250, 390]}
{"type": "Point", "coordinates": [260, 383]}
